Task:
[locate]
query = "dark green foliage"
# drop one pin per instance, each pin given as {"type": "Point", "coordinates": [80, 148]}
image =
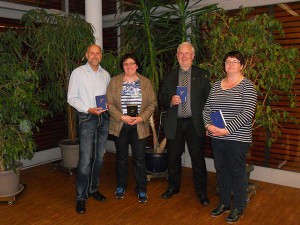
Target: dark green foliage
{"type": "Point", "coordinates": [153, 31]}
{"type": "Point", "coordinates": [57, 43]}
{"type": "Point", "coordinates": [20, 107]}
{"type": "Point", "coordinates": [271, 67]}
{"type": "Point", "coordinates": [36, 64]}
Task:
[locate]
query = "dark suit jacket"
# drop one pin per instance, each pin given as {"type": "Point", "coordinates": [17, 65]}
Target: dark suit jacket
{"type": "Point", "coordinates": [200, 87]}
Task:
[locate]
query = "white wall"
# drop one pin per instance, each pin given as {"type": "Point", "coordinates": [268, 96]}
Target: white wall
{"type": "Point", "coordinates": [269, 175]}
{"type": "Point", "coordinates": [275, 176]}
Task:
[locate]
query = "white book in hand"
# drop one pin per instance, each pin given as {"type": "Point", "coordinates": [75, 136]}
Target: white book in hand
{"type": "Point", "coordinates": [218, 119]}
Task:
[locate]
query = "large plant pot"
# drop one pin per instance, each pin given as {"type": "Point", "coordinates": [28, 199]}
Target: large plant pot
{"type": "Point", "coordinates": [10, 181]}
{"type": "Point", "coordinates": [69, 153]}
{"type": "Point", "coordinates": [156, 162]}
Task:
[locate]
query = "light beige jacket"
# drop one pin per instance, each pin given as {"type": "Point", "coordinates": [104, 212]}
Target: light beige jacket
{"type": "Point", "coordinates": [149, 103]}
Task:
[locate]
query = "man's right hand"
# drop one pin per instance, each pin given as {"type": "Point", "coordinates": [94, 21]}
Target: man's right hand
{"type": "Point", "coordinates": [96, 111]}
{"type": "Point", "coordinates": [176, 100]}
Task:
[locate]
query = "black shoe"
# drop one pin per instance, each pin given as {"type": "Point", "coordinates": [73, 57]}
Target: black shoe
{"type": "Point", "coordinates": [220, 210]}
{"type": "Point", "coordinates": [169, 193]}
{"type": "Point", "coordinates": [97, 196]}
{"type": "Point", "coordinates": [80, 207]}
{"type": "Point", "coordinates": [204, 200]}
{"type": "Point", "coordinates": [234, 215]}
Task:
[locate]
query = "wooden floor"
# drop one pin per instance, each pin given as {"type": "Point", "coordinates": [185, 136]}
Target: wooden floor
{"type": "Point", "coordinates": [50, 199]}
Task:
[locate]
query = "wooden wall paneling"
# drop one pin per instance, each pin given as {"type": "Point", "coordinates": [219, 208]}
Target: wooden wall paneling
{"type": "Point", "coordinates": [110, 42]}
{"type": "Point", "coordinates": [75, 6]}
{"type": "Point", "coordinates": [292, 31]}
{"type": "Point", "coordinates": [51, 132]}
{"type": "Point", "coordinates": [41, 3]}
{"type": "Point", "coordinates": [285, 153]}
{"type": "Point", "coordinates": [109, 7]}
{"type": "Point", "coordinates": [8, 23]}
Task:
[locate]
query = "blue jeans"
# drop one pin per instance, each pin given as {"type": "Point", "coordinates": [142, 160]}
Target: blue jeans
{"type": "Point", "coordinates": [93, 132]}
{"type": "Point", "coordinates": [129, 135]}
{"type": "Point", "coordinates": [230, 164]}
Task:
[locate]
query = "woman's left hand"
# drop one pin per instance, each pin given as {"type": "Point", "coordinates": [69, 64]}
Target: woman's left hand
{"type": "Point", "coordinates": [135, 120]}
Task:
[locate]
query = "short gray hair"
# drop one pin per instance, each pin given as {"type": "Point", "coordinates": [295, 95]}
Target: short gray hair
{"type": "Point", "coordinates": [186, 43]}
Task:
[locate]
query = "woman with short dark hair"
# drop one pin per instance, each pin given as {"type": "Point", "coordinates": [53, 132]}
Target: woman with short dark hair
{"type": "Point", "coordinates": [236, 98]}
{"type": "Point", "coordinates": [131, 102]}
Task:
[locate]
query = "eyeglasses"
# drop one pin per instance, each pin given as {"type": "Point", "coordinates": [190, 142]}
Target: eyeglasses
{"type": "Point", "coordinates": [184, 53]}
{"type": "Point", "coordinates": [234, 62]}
{"type": "Point", "coordinates": [129, 64]}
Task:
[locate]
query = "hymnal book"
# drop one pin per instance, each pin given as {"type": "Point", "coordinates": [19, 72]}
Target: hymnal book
{"type": "Point", "coordinates": [218, 119]}
{"type": "Point", "coordinates": [132, 110]}
{"type": "Point", "coordinates": [182, 92]}
{"type": "Point", "coordinates": [101, 101]}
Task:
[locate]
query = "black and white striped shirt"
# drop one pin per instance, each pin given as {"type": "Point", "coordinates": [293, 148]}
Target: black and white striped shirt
{"type": "Point", "coordinates": [238, 106]}
{"type": "Point", "coordinates": [131, 95]}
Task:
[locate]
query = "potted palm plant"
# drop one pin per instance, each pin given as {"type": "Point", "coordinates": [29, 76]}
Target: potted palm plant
{"type": "Point", "coordinates": [58, 43]}
{"type": "Point", "coordinates": [141, 23]}
{"type": "Point", "coordinates": [156, 156]}
{"type": "Point", "coordinates": [20, 110]}
{"type": "Point", "coordinates": [154, 30]}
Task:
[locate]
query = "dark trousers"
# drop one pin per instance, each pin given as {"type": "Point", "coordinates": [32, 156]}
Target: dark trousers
{"type": "Point", "coordinates": [230, 164]}
{"type": "Point", "coordinates": [129, 135]}
{"type": "Point", "coordinates": [185, 132]}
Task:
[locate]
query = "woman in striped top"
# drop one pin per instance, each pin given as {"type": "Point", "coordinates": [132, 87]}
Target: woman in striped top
{"type": "Point", "coordinates": [236, 97]}
{"type": "Point", "coordinates": [131, 101]}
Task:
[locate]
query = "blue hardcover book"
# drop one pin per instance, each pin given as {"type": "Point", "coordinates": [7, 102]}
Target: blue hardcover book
{"type": "Point", "coordinates": [182, 92]}
{"type": "Point", "coordinates": [101, 101]}
{"type": "Point", "coordinates": [218, 119]}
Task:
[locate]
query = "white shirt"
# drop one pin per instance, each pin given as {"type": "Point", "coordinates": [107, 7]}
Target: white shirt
{"type": "Point", "coordinates": [84, 85]}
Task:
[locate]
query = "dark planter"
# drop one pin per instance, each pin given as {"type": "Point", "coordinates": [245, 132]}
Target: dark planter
{"type": "Point", "coordinates": [156, 162]}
